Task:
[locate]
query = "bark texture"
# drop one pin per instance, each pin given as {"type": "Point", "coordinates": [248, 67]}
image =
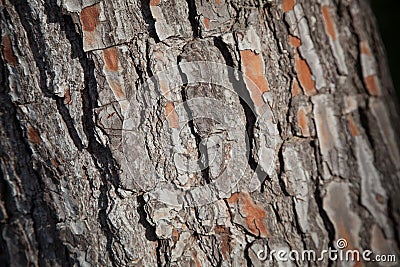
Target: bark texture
{"type": "Point", "coordinates": [88, 174]}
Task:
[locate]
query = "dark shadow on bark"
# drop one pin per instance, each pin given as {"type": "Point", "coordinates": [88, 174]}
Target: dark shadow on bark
{"type": "Point", "coordinates": [150, 229]}
{"type": "Point", "coordinates": [148, 18]}
{"type": "Point", "coordinates": [38, 45]}
{"type": "Point", "coordinates": [205, 170]}
{"type": "Point", "coordinates": [101, 155]}
{"type": "Point", "coordinates": [245, 101]}
{"type": "Point", "coordinates": [37, 206]}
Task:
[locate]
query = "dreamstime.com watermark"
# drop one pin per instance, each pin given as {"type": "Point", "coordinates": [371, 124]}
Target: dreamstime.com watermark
{"type": "Point", "coordinates": [333, 255]}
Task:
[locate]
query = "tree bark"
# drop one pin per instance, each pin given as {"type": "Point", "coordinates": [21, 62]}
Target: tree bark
{"type": "Point", "coordinates": [194, 133]}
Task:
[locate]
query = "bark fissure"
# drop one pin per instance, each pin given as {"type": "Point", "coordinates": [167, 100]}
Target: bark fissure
{"type": "Point", "coordinates": [101, 154]}
{"type": "Point", "coordinates": [37, 210]}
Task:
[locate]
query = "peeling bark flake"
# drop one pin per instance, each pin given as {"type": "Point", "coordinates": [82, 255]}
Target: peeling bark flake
{"type": "Point", "coordinates": [67, 97]}
{"type": "Point", "coordinates": [253, 68]}
{"type": "Point", "coordinates": [369, 72]}
{"type": "Point", "coordinates": [155, 2]}
{"type": "Point", "coordinates": [296, 90]}
{"type": "Point", "coordinates": [294, 41]}
{"type": "Point", "coordinates": [117, 89]}
{"type": "Point", "coordinates": [302, 121]}
{"type": "Point", "coordinates": [90, 18]}
{"type": "Point", "coordinates": [372, 84]}
{"type": "Point", "coordinates": [305, 76]}
{"type": "Point", "coordinates": [288, 5]}
{"type": "Point", "coordinates": [337, 204]}
{"type": "Point", "coordinates": [9, 56]}
{"type": "Point", "coordinates": [206, 23]}
{"type": "Point", "coordinates": [255, 215]}
{"type": "Point", "coordinates": [111, 58]}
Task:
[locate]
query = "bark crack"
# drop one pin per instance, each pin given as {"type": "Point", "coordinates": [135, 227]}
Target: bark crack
{"type": "Point", "coordinates": [193, 18]}
{"type": "Point", "coordinates": [35, 207]}
{"type": "Point", "coordinates": [240, 88]}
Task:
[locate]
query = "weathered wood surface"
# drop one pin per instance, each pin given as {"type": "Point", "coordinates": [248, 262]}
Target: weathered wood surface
{"type": "Point", "coordinates": [88, 173]}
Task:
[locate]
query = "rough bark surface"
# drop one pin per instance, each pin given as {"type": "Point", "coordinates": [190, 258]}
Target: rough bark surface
{"type": "Point", "coordinates": [87, 173]}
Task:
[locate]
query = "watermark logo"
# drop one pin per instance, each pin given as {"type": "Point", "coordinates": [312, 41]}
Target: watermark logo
{"type": "Point", "coordinates": [341, 254]}
{"type": "Point", "coordinates": [341, 243]}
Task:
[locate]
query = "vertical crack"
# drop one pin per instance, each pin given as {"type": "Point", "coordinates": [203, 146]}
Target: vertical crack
{"type": "Point", "coordinates": [148, 18]}
{"type": "Point", "coordinates": [319, 201]}
{"type": "Point", "coordinates": [193, 18]}
{"type": "Point", "coordinates": [101, 155]}
{"type": "Point", "coordinates": [205, 170]}
{"type": "Point", "coordinates": [240, 88]}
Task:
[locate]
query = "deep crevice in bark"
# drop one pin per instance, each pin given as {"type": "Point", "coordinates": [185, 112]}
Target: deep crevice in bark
{"type": "Point", "coordinates": [148, 18]}
{"type": "Point", "coordinates": [249, 262]}
{"type": "Point", "coordinates": [164, 257]}
{"type": "Point", "coordinates": [365, 123]}
{"type": "Point", "coordinates": [282, 171]}
{"type": "Point", "coordinates": [205, 170]}
{"type": "Point", "coordinates": [42, 214]}
{"type": "Point", "coordinates": [5, 189]}
{"type": "Point", "coordinates": [150, 229]}
{"type": "Point", "coordinates": [193, 18]}
{"type": "Point", "coordinates": [38, 46]}
{"type": "Point", "coordinates": [325, 218]}
{"type": "Point", "coordinates": [244, 99]}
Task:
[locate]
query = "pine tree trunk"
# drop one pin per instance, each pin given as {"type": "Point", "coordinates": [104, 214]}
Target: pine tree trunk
{"type": "Point", "coordinates": [194, 133]}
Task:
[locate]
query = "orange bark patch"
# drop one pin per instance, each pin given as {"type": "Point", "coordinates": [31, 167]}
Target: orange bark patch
{"type": "Point", "coordinates": [155, 2]}
{"type": "Point", "coordinates": [55, 162]}
{"type": "Point", "coordinates": [296, 90]}
{"type": "Point", "coordinates": [7, 51]}
{"type": "Point", "coordinates": [364, 48]}
{"type": "Point", "coordinates": [288, 5]}
{"type": "Point", "coordinates": [218, 2]}
{"type": "Point", "coordinates": [172, 116]}
{"type": "Point", "coordinates": [224, 233]}
{"type": "Point", "coordinates": [90, 17]}
{"type": "Point", "coordinates": [67, 97]}
{"type": "Point", "coordinates": [117, 89]}
{"type": "Point", "coordinates": [305, 76]}
{"type": "Point", "coordinates": [294, 41]}
{"type": "Point", "coordinates": [33, 136]}
{"type": "Point", "coordinates": [302, 121]}
{"type": "Point", "coordinates": [175, 235]}
{"type": "Point", "coordinates": [253, 68]}
{"type": "Point", "coordinates": [196, 259]}
{"type": "Point", "coordinates": [207, 23]}
{"type": "Point", "coordinates": [111, 58]}
{"type": "Point", "coordinates": [255, 214]}
{"type": "Point", "coordinates": [371, 82]}
{"type": "Point", "coordinates": [352, 126]}
{"type": "Point", "coordinates": [329, 24]}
